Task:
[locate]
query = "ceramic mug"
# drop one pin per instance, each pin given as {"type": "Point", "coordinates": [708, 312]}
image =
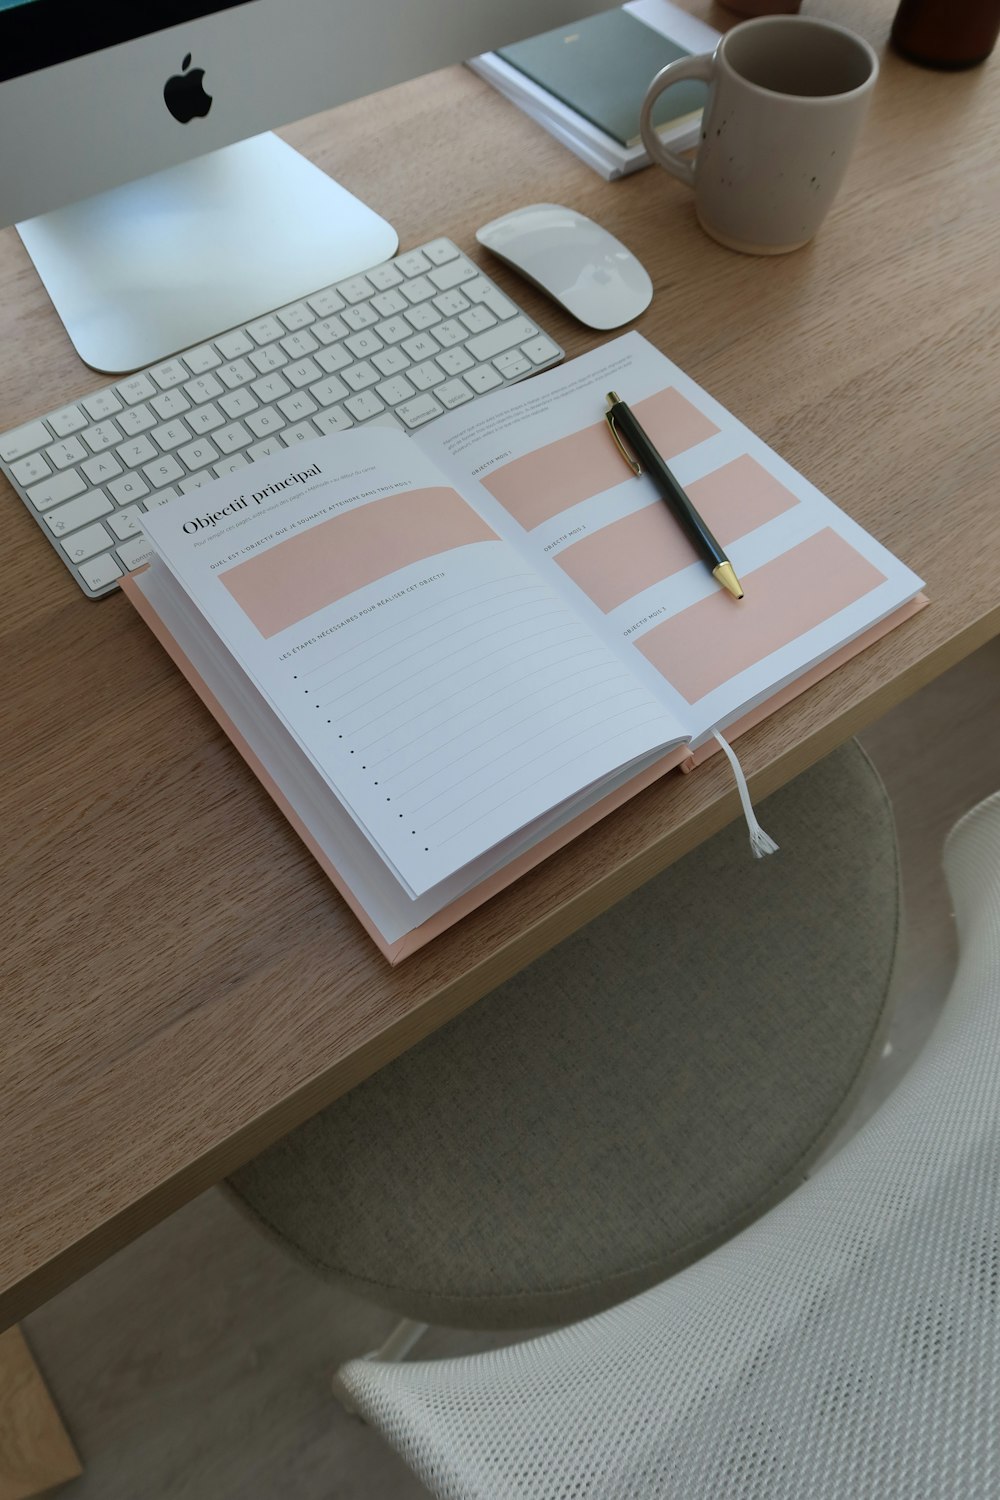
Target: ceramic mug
{"type": "Point", "coordinates": [787, 96]}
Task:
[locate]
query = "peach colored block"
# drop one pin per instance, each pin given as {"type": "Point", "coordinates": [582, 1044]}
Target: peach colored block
{"type": "Point", "coordinates": [551, 479]}
{"type": "Point", "coordinates": [620, 560]}
{"type": "Point", "coordinates": [706, 645]}
{"type": "Point", "coordinates": [294, 579]}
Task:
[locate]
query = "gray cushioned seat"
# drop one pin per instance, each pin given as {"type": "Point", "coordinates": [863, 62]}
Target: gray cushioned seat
{"type": "Point", "coordinates": [629, 1100]}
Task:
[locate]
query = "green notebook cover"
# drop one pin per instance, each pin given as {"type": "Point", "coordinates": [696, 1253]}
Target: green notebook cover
{"type": "Point", "coordinates": [602, 67]}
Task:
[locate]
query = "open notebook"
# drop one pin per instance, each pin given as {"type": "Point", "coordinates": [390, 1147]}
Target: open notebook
{"type": "Point", "coordinates": [446, 654]}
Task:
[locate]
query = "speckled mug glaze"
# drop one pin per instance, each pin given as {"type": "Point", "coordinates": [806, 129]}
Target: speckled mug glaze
{"type": "Point", "coordinates": [787, 96]}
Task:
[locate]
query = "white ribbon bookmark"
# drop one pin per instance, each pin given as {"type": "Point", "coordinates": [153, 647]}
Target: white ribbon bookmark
{"type": "Point", "coordinates": [760, 842]}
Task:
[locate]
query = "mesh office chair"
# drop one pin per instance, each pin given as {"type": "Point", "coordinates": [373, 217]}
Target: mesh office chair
{"type": "Point", "coordinates": [845, 1345]}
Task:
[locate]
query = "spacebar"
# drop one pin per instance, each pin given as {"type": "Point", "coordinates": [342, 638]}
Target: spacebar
{"type": "Point", "coordinates": [504, 336]}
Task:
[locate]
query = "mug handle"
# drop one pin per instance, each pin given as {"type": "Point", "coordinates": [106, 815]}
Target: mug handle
{"type": "Point", "coordinates": [701, 67]}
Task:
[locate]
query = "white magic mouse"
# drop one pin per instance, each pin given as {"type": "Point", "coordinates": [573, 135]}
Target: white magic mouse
{"type": "Point", "coordinates": [572, 259]}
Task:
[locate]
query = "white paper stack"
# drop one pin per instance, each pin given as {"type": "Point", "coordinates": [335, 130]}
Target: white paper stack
{"type": "Point", "coordinates": [607, 156]}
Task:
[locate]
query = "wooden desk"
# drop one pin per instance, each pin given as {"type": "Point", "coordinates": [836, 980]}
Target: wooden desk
{"type": "Point", "coordinates": [180, 985]}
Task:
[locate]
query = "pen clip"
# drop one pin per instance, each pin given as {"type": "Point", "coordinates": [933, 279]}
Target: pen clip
{"type": "Point", "coordinates": [609, 417]}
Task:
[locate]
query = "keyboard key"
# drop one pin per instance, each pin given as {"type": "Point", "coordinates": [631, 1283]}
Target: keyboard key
{"type": "Point", "coordinates": [454, 361]}
{"type": "Point", "coordinates": [265, 448]}
{"type": "Point", "coordinates": [237, 373]}
{"type": "Point", "coordinates": [334, 358]}
{"type": "Point", "coordinates": [126, 523]}
{"type": "Point", "coordinates": [86, 543]}
{"type": "Point", "coordinates": [171, 435]}
{"type": "Point", "coordinates": [303, 433]}
{"type": "Point", "coordinates": [397, 389]}
{"type": "Point", "coordinates": [334, 420]}
{"type": "Point", "coordinates": [421, 346]}
{"type": "Point", "coordinates": [296, 315]}
{"type": "Point", "coordinates": [136, 419]}
{"type": "Point", "coordinates": [170, 373]}
{"type": "Point", "coordinates": [325, 303]}
{"type": "Point", "coordinates": [450, 333]}
{"type": "Point", "coordinates": [540, 349]}
{"type": "Point", "coordinates": [136, 451]}
{"type": "Point", "coordinates": [237, 403]}
{"type": "Point", "coordinates": [57, 489]}
{"type": "Point", "coordinates": [100, 572]}
{"type": "Point", "coordinates": [453, 393]}
{"type": "Point", "coordinates": [271, 358]}
{"type": "Point", "coordinates": [61, 455]}
{"type": "Point", "coordinates": [265, 330]}
{"type": "Point", "coordinates": [424, 315]}
{"type": "Point", "coordinates": [364, 406]}
{"type": "Point", "coordinates": [135, 552]}
{"type": "Point", "coordinates": [388, 303]}
{"type": "Point", "coordinates": [357, 289]}
{"type": "Point", "coordinates": [128, 488]}
{"type": "Point", "coordinates": [22, 440]}
{"type": "Point", "coordinates": [418, 411]}
{"type": "Point", "coordinates": [360, 375]}
{"type": "Point", "coordinates": [197, 455]}
{"type": "Point", "coordinates": [362, 316]}
{"type": "Point", "coordinates": [103, 404]}
{"type": "Point", "coordinates": [326, 392]}
{"type": "Point", "coordinates": [391, 361]}
{"type": "Point", "coordinates": [393, 330]}
{"type": "Point", "coordinates": [425, 375]}
{"type": "Point", "coordinates": [170, 404]}
{"type": "Point", "coordinates": [453, 274]}
{"type": "Point", "coordinates": [161, 497]}
{"type": "Point", "coordinates": [77, 513]}
{"type": "Point", "coordinates": [296, 406]}
{"type": "Point", "coordinates": [384, 277]}
{"type": "Point", "coordinates": [104, 435]}
{"type": "Point", "coordinates": [204, 358]}
{"type": "Point", "coordinates": [478, 319]}
{"type": "Point", "coordinates": [202, 388]}
{"type": "Point", "coordinates": [512, 364]}
{"type": "Point", "coordinates": [488, 296]}
{"type": "Point", "coordinates": [229, 465]}
{"type": "Point", "coordinates": [450, 304]}
{"type": "Point", "coordinates": [440, 251]}
{"type": "Point", "coordinates": [68, 419]}
{"type": "Point", "coordinates": [230, 438]}
{"type": "Point", "coordinates": [31, 469]}
{"type": "Point", "coordinates": [102, 468]}
{"type": "Point", "coordinates": [484, 378]}
{"type": "Point", "coordinates": [194, 481]}
{"type": "Point", "coordinates": [267, 389]}
{"type": "Point", "coordinates": [232, 345]}
{"type": "Point", "coordinates": [413, 263]}
{"type": "Point", "coordinates": [303, 372]}
{"type": "Point", "coordinates": [298, 345]}
{"type": "Point", "coordinates": [329, 330]}
{"type": "Point", "coordinates": [206, 418]}
{"type": "Point", "coordinates": [417, 290]}
{"type": "Point", "coordinates": [136, 388]}
{"type": "Point", "coordinates": [364, 344]}
{"type": "Point", "coordinates": [266, 421]}
{"type": "Point", "coordinates": [163, 471]}
{"type": "Point", "coordinates": [503, 336]}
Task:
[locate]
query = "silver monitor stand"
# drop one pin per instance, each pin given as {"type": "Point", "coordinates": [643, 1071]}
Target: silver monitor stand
{"type": "Point", "coordinates": [153, 267]}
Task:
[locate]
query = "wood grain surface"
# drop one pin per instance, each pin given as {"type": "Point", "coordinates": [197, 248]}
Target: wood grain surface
{"type": "Point", "coordinates": [36, 1454]}
{"type": "Point", "coordinates": [179, 984]}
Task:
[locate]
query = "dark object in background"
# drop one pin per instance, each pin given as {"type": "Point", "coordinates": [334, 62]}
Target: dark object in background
{"type": "Point", "coordinates": [946, 33]}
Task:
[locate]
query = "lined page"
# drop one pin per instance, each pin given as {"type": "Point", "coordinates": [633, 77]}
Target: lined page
{"type": "Point", "coordinates": [450, 701]}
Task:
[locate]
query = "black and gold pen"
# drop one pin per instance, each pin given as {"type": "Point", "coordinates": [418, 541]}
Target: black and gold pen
{"type": "Point", "coordinates": [623, 424]}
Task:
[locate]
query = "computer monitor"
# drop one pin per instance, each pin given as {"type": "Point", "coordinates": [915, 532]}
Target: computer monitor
{"type": "Point", "coordinates": [133, 162]}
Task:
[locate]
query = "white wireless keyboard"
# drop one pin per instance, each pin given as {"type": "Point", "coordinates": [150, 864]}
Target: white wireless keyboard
{"type": "Point", "coordinates": [399, 345]}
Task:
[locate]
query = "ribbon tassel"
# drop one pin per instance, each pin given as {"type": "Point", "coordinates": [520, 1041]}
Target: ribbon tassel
{"type": "Point", "coordinates": [760, 842]}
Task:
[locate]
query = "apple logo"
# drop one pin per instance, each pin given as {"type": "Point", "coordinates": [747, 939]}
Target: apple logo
{"type": "Point", "coordinates": [184, 93]}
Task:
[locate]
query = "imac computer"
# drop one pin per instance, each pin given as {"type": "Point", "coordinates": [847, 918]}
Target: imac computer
{"type": "Point", "coordinates": [137, 163]}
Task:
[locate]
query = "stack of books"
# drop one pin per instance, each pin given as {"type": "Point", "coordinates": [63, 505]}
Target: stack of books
{"type": "Point", "coordinates": [585, 84]}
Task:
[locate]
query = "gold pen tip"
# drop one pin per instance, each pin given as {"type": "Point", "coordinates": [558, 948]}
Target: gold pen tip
{"type": "Point", "coordinates": [613, 398]}
{"type": "Point", "coordinates": [725, 574]}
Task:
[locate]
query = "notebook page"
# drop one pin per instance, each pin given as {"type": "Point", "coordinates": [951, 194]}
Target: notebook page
{"type": "Point", "coordinates": [445, 693]}
{"type": "Point", "coordinates": [551, 480]}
